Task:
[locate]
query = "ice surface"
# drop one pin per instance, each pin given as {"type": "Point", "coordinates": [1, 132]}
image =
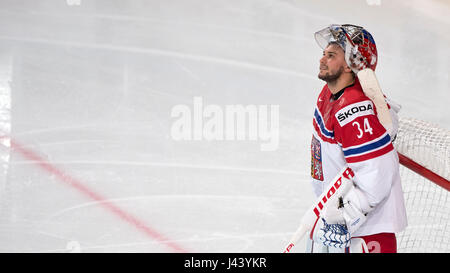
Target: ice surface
{"type": "Point", "coordinates": [87, 89]}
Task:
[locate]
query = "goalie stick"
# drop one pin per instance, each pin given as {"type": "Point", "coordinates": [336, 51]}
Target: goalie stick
{"type": "Point", "coordinates": [372, 90]}
{"type": "Point", "coordinates": [337, 187]}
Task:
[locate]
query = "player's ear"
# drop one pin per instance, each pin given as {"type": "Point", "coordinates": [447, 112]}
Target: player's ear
{"type": "Point", "coordinates": [347, 68]}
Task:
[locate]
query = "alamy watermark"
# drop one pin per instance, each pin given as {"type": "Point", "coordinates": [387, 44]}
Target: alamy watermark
{"type": "Point", "coordinates": [212, 122]}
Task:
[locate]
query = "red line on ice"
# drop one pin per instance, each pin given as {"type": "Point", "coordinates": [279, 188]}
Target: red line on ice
{"type": "Point", "coordinates": [78, 185]}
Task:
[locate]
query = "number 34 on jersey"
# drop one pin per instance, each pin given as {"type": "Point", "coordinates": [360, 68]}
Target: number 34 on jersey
{"type": "Point", "coordinates": [367, 128]}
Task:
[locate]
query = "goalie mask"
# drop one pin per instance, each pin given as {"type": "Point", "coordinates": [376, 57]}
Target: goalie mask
{"type": "Point", "coordinates": [357, 43]}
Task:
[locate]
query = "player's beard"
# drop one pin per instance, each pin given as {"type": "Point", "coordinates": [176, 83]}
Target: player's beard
{"type": "Point", "coordinates": [330, 77]}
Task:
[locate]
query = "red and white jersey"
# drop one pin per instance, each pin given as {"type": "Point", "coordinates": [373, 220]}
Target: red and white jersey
{"type": "Point", "coordinates": [348, 132]}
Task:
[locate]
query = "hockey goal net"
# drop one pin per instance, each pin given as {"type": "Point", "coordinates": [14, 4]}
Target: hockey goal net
{"type": "Point", "coordinates": [424, 152]}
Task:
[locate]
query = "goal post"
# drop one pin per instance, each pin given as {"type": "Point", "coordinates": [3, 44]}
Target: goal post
{"type": "Point", "coordinates": [424, 154]}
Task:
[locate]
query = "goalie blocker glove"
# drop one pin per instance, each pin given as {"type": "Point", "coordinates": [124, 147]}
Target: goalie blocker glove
{"type": "Point", "coordinates": [354, 208]}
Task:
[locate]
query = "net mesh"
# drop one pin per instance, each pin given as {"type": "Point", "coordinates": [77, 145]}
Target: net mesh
{"type": "Point", "coordinates": [427, 204]}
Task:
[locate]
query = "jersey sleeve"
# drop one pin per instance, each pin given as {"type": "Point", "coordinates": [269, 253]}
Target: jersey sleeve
{"type": "Point", "coordinates": [367, 149]}
{"type": "Point", "coordinates": [360, 133]}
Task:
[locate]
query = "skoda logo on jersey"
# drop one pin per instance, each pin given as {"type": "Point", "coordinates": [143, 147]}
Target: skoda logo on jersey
{"type": "Point", "coordinates": [352, 111]}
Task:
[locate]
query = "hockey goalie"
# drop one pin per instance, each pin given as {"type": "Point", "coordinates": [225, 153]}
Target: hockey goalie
{"type": "Point", "coordinates": [353, 128]}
